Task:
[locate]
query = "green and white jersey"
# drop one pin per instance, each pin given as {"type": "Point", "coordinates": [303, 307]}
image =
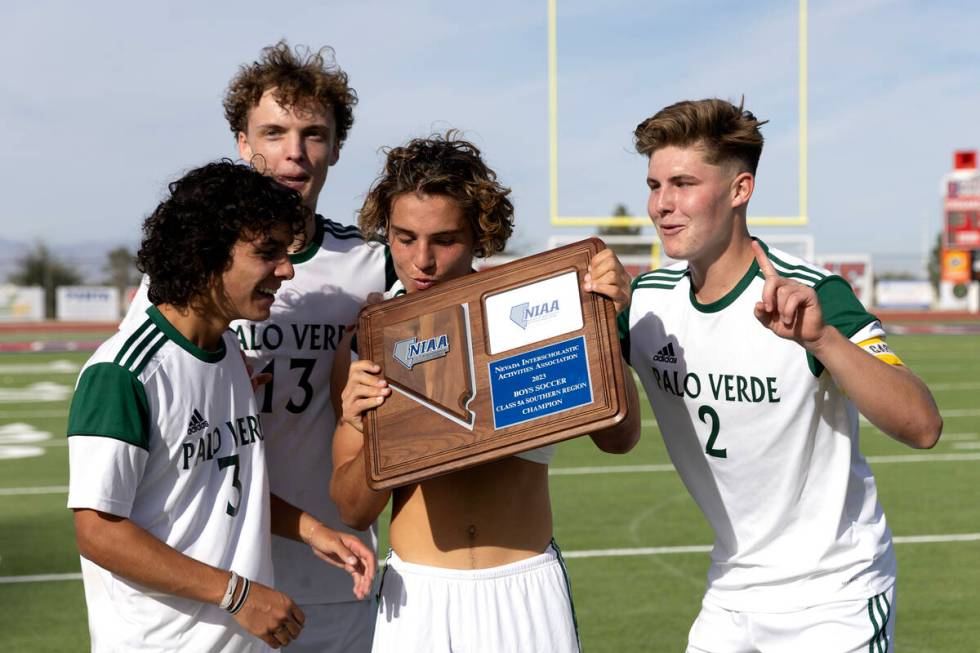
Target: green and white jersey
{"type": "Point", "coordinates": [297, 344]}
{"type": "Point", "coordinates": [168, 435]}
{"type": "Point", "coordinates": [764, 440]}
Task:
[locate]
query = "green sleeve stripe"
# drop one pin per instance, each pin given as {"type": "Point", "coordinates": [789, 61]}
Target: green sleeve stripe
{"type": "Point", "coordinates": [341, 231]}
{"type": "Point", "coordinates": [133, 338]}
{"type": "Point", "coordinates": [675, 274]}
{"type": "Point", "coordinates": [391, 278]}
{"type": "Point", "coordinates": [110, 402]}
{"type": "Point", "coordinates": [138, 369]}
{"type": "Point", "coordinates": [800, 269]}
{"type": "Point", "coordinates": [662, 286]}
{"type": "Point", "coordinates": [661, 279]}
{"type": "Point", "coordinates": [810, 281]}
{"type": "Point", "coordinates": [354, 235]}
{"type": "Point", "coordinates": [338, 229]}
{"type": "Point", "coordinates": [151, 337]}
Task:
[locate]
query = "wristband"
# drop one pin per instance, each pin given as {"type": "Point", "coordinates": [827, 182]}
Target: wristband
{"type": "Point", "coordinates": [229, 592]}
{"type": "Point", "coordinates": [246, 585]}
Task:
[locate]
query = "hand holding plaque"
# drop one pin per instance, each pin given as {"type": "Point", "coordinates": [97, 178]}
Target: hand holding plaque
{"type": "Point", "coordinates": [489, 365]}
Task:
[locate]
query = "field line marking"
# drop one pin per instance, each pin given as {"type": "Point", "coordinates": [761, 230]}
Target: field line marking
{"type": "Point", "coordinates": [954, 386]}
{"type": "Point", "coordinates": [593, 553]}
{"type": "Point", "coordinates": [634, 469]}
{"type": "Point", "coordinates": [641, 551]}
{"type": "Point", "coordinates": [51, 367]}
{"type": "Point", "coordinates": [948, 437]}
{"type": "Point", "coordinates": [39, 578]}
{"type": "Point", "coordinates": [612, 469]}
{"type": "Point", "coordinates": [924, 458]}
{"type": "Point", "coordinates": [43, 489]}
{"type": "Point", "coordinates": [32, 414]}
{"type": "Point", "coordinates": [930, 539]}
{"type": "Point", "coordinates": [586, 471]}
{"type": "Point", "coordinates": [667, 550]}
{"type": "Point", "coordinates": [950, 412]}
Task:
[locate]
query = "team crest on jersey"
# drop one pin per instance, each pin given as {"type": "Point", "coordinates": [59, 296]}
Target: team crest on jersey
{"type": "Point", "coordinates": [666, 355]}
{"type": "Point", "coordinates": [197, 423]}
{"type": "Point", "coordinates": [524, 314]}
{"type": "Point", "coordinates": [414, 351]}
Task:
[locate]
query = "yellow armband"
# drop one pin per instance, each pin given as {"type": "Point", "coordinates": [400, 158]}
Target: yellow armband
{"type": "Point", "coordinates": [878, 348]}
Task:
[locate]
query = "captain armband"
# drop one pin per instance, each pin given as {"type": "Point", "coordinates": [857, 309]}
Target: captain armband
{"type": "Point", "coordinates": [878, 348]}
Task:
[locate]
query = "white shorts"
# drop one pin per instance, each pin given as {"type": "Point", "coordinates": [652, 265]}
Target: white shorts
{"type": "Point", "coordinates": [345, 627]}
{"type": "Point", "coordinates": [524, 606]}
{"type": "Point", "coordinates": [858, 626]}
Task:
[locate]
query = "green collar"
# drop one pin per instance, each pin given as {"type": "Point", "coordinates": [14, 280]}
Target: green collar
{"type": "Point", "coordinates": [178, 338]}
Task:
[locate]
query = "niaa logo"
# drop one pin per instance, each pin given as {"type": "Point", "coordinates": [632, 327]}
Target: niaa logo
{"type": "Point", "coordinates": [413, 351]}
{"type": "Point", "coordinates": [523, 314]}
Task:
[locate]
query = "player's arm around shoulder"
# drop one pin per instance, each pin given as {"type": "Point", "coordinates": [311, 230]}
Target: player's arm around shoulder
{"type": "Point", "coordinates": [607, 277]}
{"type": "Point", "coordinates": [363, 389]}
{"type": "Point", "coordinates": [890, 395]}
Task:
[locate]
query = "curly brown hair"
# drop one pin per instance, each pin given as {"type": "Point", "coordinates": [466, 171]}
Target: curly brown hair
{"type": "Point", "coordinates": [188, 239]}
{"type": "Point", "coordinates": [726, 132]}
{"type": "Point", "coordinates": [442, 165]}
{"type": "Point", "coordinates": [300, 77]}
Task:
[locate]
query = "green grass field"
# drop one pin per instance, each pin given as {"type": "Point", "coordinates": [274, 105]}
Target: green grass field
{"type": "Point", "coordinates": [627, 599]}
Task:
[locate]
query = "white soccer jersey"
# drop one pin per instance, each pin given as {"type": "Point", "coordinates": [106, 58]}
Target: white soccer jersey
{"type": "Point", "coordinates": [765, 442]}
{"type": "Point", "coordinates": [297, 344]}
{"type": "Point", "coordinates": [169, 436]}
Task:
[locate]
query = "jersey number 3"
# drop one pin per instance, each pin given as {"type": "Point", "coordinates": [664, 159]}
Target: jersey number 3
{"type": "Point", "coordinates": [236, 483]}
{"type": "Point", "coordinates": [705, 413]}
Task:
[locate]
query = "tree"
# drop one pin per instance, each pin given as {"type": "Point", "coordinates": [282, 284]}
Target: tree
{"type": "Point", "coordinates": [39, 267]}
{"type": "Point", "coordinates": [624, 230]}
{"type": "Point", "coordinates": [934, 264]}
{"type": "Point", "coordinates": [120, 270]}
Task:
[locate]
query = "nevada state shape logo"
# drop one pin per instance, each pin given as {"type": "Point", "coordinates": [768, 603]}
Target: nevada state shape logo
{"type": "Point", "coordinates": [413, 351]}
{"type": "Point", "coordinates": [524, 314]}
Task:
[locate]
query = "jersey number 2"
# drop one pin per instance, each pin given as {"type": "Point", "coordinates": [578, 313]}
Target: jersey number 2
{"type": "Point", "coordinates": [704, 413]}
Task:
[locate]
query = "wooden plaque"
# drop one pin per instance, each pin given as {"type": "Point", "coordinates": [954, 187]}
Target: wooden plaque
{"type": "Point", "coordinates": [491, 364]}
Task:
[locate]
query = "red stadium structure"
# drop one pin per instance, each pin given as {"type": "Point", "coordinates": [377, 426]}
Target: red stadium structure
{"type": "Point", "coordinates": [960, 258]}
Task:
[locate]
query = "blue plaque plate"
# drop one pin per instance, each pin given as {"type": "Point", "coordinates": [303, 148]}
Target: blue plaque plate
{"type": "Point", "coordinates": [540, 382]}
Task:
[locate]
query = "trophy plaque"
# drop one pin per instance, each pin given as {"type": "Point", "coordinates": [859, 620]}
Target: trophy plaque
{"type": "Point", "coordinates": [491, 364]}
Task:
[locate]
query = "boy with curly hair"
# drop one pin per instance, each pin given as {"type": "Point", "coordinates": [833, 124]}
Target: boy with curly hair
{"type": "Point", "coordinates": [473, 565]}
{"type": "Point", "coordinates": [290, 112]}
{"type": "Point", "coordinates": [168, 480]}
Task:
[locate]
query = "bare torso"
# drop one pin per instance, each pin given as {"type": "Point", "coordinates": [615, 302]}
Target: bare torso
{"type": "Point", "coordinates": [482, 517]}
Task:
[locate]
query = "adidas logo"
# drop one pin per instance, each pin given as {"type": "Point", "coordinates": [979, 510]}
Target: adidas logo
{"type": "Point", "coordinates": [198, 423]}
{"type": "Point", "coordinates": [666, 355]}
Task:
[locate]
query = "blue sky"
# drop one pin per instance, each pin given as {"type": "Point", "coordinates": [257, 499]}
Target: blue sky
{"type": "Point", "coordinates": [106, 102]}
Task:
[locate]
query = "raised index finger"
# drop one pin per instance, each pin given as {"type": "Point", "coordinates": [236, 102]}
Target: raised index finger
{"type": "Point", "coordinates": [763, 260]}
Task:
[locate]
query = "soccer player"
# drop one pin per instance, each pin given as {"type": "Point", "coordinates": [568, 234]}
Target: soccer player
{"type": "Point", "coordinates": [291, 112]}
{"type": "Point", "coordinates": [473, 565]}
{"type": "Point", "coordinates": [756, 364]}
{"type": "Point", "coordinates": [166, 444]}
